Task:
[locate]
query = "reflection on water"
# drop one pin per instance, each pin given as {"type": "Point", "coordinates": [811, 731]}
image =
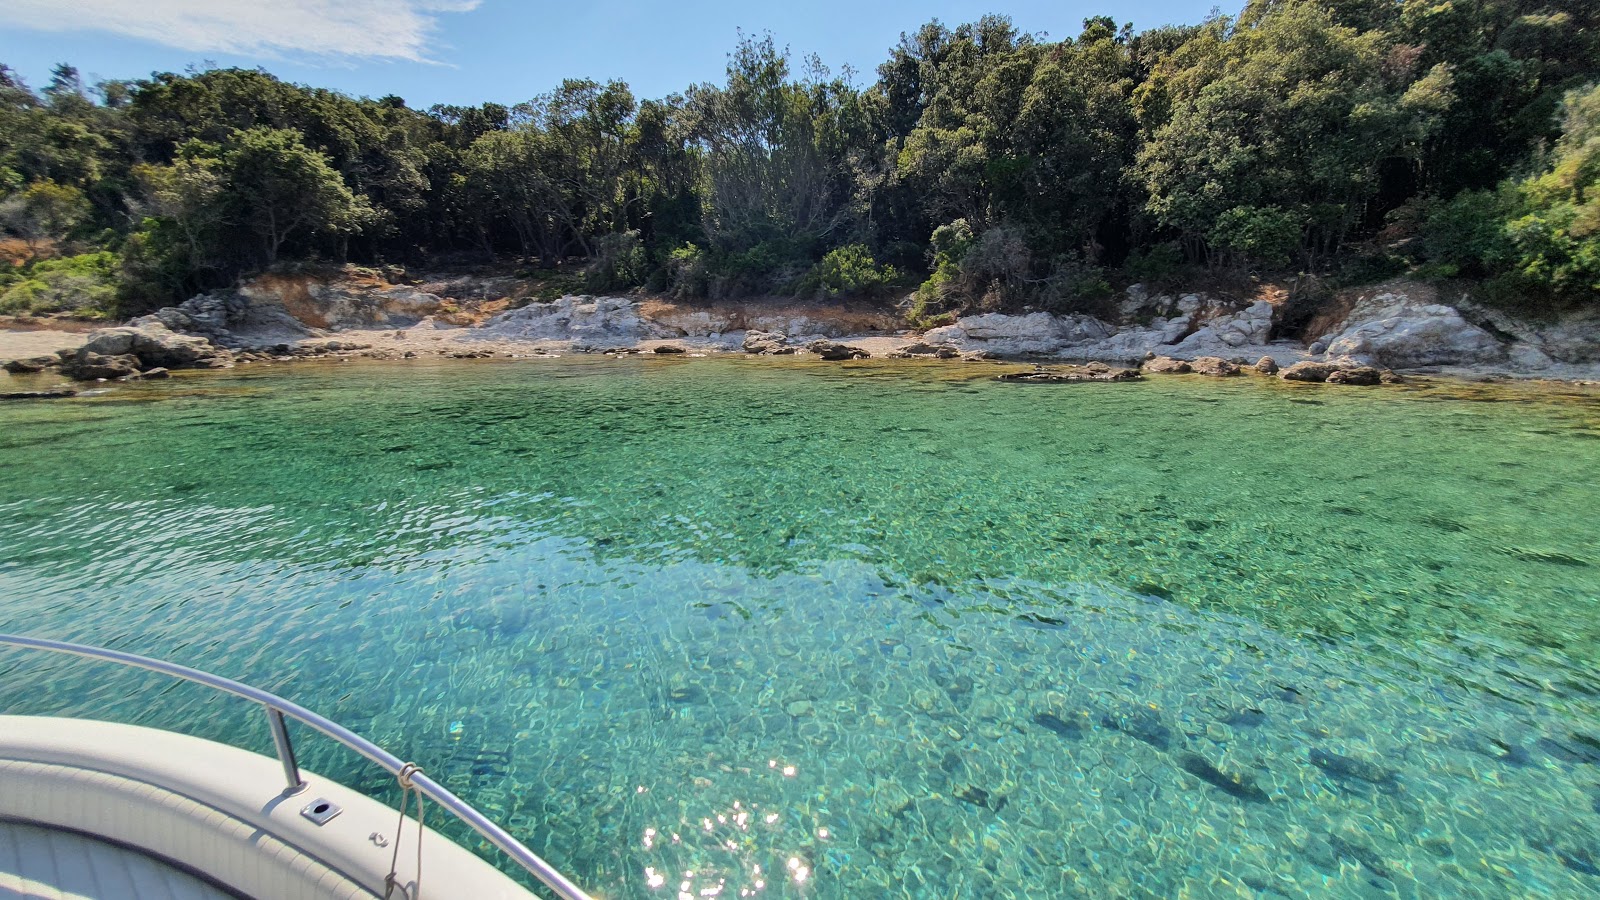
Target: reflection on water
{"type": "Point", "coordinates": [716, 629]}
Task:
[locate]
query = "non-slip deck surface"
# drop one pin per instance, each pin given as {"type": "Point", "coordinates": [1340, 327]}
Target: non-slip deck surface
{"type": "Point", "coordinates": [43, 864]}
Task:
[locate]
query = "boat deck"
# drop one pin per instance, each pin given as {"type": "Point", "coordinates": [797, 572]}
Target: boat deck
{"type": "Point", "coordinates": [46, 864]}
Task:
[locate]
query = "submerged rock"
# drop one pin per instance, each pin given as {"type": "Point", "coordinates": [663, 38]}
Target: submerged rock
{"type": "Point", "coordinates": [1234, 785]}
{"type": "Point", "coordinates": [1072, 375]}
{"type": "Point", "coordinates": [1340, 766]}
{"type": "Point", "coordinates": [37, 395]}
{"type": "Point", "coordinates": [1058, 726]}
{"type": "Point", "coordinates": [1143, 724]}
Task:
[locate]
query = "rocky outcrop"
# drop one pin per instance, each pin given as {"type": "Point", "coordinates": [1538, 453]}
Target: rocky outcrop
{"type": "Point", "coordinates": [1248, 327]}
{"type": "Point", "coordinates": [598, 321]}
{"type": "Point", "coordinates": [128, 351]}
{"type": "Point", "coordinates": [1033, 334]}
{"type": "Point", "coordinates": [156, 345]}
{"type": "Point", "coordinates": [1403, 329]}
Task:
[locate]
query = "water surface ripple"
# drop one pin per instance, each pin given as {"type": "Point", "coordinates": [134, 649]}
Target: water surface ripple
{"type": "Point", "coordinates": [727, 628]}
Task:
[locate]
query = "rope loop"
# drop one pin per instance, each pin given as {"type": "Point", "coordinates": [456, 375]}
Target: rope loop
{"type": "Point", "coordinates": [406, 771]}
{"type": "Point", "coordinates": [391, 882]}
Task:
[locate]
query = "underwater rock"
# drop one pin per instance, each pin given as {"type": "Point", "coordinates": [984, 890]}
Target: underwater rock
{"type": "Point", "coordinates": [1351, 849]}
{"type": "Point", "coordinates": [798, 708]}
{"type": "Point", "coordinates": [37, 395]}
{"type": "Point", "coordinates": [1245, 718]}
{"type": "Point", "coordinates": [1340, 766]}
{"type": "Point", "coordinates": [1512, 754]}
{"type": "Point", "coordinates": [1234, 785]}
{"type": "Point", "coordinates": [981, 798]}
{"type": "Point", "coordinates": [1072, 375]}
{"type": "Point", "coordinates": [1574, 748]}
{"type": "Point", "coordinates": [688, 693]}
{"type": "Point", "coordinates": [1063, 728]}
{"type": "Point", "coordinates": [1143, 724]}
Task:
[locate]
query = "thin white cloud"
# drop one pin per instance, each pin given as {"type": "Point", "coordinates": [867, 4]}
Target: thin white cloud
{"type": "Point", "coordinates": [364, 29]}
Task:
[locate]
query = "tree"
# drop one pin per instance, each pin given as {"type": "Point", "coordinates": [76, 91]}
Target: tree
{"type": "Point", "coordinates": [1280, 125]}
{"type": "Point", "coordinates": [1557, 235]}
{"type": "Point", "coordinates": [279, 189]}
{"type": "Point", "coordinates": [41, 212]}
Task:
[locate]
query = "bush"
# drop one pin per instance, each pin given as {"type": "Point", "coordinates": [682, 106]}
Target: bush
{"type": "Point", "coordinates": [1467, 234]}
{"type": "Point", "coordinates": [619, 262]}
{"type": "Point", "coordinates": [687, 277]}
{"type": "Point", "coordinates": [1266, 234]}
{"type": "Point", "coordinates": [83, 285]}
{"type": "Point", "coordinates": [848, 269]}
{"type": "Point", "coordinates": [1158, 263]}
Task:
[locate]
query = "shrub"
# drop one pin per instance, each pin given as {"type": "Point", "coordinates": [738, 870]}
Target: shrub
{"type": "Point", "coordinates": [848, 269]}
{"type": "Point", "coordinates": [1467, 234]}
{"type": "Point", "coordinates": [81, 285]}
{"type": "Point", "coordinates": [1159, 263]}
{"type": "Point", "coordinates": [687, 276]}
{"type": "Point", "coordinates": [619, 262]}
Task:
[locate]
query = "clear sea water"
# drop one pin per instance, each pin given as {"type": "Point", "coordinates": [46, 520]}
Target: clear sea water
{"type": "Point", "coordinates": [726, 628]}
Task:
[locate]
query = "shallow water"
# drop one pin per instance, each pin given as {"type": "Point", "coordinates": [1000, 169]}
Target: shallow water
{"type": "Point", "coordinates": [865, 630]}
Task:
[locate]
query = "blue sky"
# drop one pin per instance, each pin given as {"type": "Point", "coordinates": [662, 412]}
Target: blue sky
{"type": "Point", "coordinates": [469, 51]}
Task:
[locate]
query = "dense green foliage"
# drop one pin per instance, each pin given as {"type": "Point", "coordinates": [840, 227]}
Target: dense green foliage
{"type": "Point", "coordinates": [1000, 170]}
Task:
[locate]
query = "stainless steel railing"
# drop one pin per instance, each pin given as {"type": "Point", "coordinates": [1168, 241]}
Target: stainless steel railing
{"type": "Point", "coordinates": [277, 708]}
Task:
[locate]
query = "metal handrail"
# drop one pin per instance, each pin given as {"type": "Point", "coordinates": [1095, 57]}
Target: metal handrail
{"type": "Point", "coordinates": [277, 707]}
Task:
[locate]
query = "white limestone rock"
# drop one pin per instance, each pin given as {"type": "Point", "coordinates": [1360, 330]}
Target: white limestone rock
{"type": "Point", "coordinates": [1394, 330]}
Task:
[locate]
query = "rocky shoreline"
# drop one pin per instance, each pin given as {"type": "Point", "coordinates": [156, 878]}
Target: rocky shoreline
{"type": "Point", "coordinates": [1367, 339]}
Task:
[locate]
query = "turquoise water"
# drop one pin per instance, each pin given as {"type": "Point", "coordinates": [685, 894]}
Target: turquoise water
{"type": "Point", "coordinates": [812, 630]}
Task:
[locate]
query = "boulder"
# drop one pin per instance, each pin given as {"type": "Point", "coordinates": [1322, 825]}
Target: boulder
{"type": "Point", "coordinates": [1266, 365]}
{"type": "Point", "coordinates": [1399, 327]}
{"type": "Point", "coordinates": [1213, 365]}
{"type": "Point", "coordinates": [1309, 370]}
{"type": "Point", "coordinates": [86, 365]}
{"type": "Point", "coordinates": [1362, 375]}
{"type": "Point", "coordinates": [831, 350]}
{"type": "Point", "coordinates": [155, 345]}
{"type": "Point", "coordinates": [669, 348]}
{"type": "Point", "coordinates": [1166, 365]}
{"type": "Point", "coordinates": [764, 342]}
{"type": "Point", "coordinates": [33, 365]}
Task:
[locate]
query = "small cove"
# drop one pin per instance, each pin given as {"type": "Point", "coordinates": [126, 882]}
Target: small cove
{"type": "Point", "coordinates": [918, 632]}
